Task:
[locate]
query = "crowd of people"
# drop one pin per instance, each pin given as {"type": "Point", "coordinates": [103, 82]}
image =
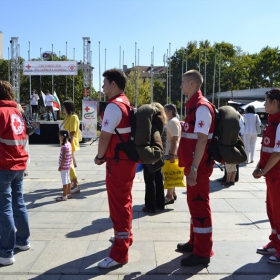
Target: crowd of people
{"type": "Point", "coordinates": [184, 143]}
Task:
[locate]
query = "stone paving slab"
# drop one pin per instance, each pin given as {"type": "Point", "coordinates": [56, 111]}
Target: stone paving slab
{"type": "Point", "coordinates": [61, 256]}
{"type": "Point", "coordinates": [240, 258]}
{"type": "Point", "coordinates": [247, 204]}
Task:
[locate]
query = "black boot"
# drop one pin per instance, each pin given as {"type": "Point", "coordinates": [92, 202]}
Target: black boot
{"type": "Point", "coordinates": [185, 247]}
{"type": "Point", "coordinates": [194, 260]}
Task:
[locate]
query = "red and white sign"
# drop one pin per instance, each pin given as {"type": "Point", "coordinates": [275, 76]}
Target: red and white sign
{"type": "Point", "coordinates": [89, 121]}
{"type": "Point", "coordinates": [32, 68]}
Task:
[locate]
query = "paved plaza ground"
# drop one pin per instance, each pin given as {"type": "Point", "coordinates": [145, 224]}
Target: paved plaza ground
{"type": "Point", "coordinates": [68, 239]}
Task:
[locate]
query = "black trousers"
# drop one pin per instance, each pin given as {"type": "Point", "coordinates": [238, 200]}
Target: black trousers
{"type": "Point", "coordinates": [236, 176]}
{"type": "Point", "coordinates": [154, 192]}
{"type": "Point", "coordinates": [50, 109]}
{"type": "Point", "coordinates": [34, 109]}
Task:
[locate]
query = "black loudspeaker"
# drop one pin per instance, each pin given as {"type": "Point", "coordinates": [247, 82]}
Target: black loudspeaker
{"type": "Point", "coordinates": [102, 106]}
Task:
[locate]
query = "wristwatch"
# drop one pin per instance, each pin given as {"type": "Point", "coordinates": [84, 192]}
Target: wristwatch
{"type": "Point", "coordinates": [193, 168]}
{"type": "Point", "coordinates": [262, 172]}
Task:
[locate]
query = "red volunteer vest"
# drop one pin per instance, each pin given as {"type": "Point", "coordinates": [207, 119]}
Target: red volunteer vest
{"type": "Point", "coordinates": [268, 142]}
{"type": "Point", "coordinates": [189, 138]}
{"type": "Point", "coordinates": [123, 128]}
{"type": "Point", "coordinates": [13, 140]}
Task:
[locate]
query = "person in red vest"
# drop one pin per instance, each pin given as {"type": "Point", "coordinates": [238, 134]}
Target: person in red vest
{"type": "Point", "coordinates": [14, 226]}
{"type": "Point", "coordinates": [120, 174]}
{"type": "Point", "coordinates": [269, 167]}
{"type": "Point", "coordinates": [197, 131]}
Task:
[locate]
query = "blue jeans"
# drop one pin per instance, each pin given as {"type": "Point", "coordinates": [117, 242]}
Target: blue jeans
{"type": "Point", "coordinates": [13, 212]}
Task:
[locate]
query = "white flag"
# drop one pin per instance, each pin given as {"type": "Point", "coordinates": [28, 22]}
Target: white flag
{"type": "Point", "coordinates": [43, 97]}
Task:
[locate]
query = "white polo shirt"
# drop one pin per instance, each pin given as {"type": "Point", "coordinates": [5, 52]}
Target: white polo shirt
{"type": "Point", "coordinates": [203, 120]}
{"type": "Point", "coordinates": [49, 100]}
{"type": "Point", "coordinates": [112, 117]}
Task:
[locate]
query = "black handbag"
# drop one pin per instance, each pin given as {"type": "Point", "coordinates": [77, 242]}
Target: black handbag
{"type": "Point", "coordinates": [30, 129]}
{"type": "Point", "coordinates": [154, 167]}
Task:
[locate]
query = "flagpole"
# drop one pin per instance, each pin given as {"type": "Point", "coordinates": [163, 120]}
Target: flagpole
{"type": "Point", "coordinates": [170, 72]}
{"type": "Point", "coordinates": [199, 61]}
{"type": "Point", "coordinates": [136, 79]}
{"type": "Point", "coordinates": [73, 75]}
{"type": "Point", "coordinates": [9, 66]}
{"type": "Point", "coordinates": [219, 79]}
{"type": "Point", "coordinates": [30, 111]}
{"type": "Point", "coordinates": [181, 112]}
{"type": "Point", "coordinates": [40, 75]}
{"type": "Point", "coordinates": [186, 71]}
{"type": "Point", "coordinates": [104, 95]}
{"type": "Point", "coordinates": [123, 60]}
{"type": "Point", "coordinates": [205, 71]}
{"type": "Point", "coordinates": [152, 76]}
{"type": "Point", "coordinates": [52, 75]}
{"type": "Point", "coordinates": [213, 95]}
{"type": "Point", "coordinates": [66, 77]}
{"type": "Point", "coordinates": [99, 72]}
{"type": "Point", "coordinates": [167, 65]}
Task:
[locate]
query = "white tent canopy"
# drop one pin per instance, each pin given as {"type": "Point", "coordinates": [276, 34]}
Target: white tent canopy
{"type": "Point", "coordinates": [259, 106]}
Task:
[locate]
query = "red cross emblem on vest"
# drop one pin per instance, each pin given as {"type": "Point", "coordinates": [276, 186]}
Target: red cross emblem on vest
{"type": "Point", "coordinates": [106, 122]}
{"type": "Point", "coordinates": [266, 140]}
{"type": "Point", "coordinates": [17, 124]}
{"type": "Point", "coordinates": [278, 144]}
{"type": "Point", "coordinates": [201, 124]}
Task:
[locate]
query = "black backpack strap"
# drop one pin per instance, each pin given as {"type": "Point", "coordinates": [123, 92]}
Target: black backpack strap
{"type": "Point", "coordinates": [117, 149]}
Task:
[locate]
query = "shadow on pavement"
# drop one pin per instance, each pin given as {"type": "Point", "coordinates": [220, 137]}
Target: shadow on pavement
{"type": "Point", "coordinates": [99, 225]}
{"type": "Point", "coordinates": [86, 268]}
{"type": "Point", "coordinates": [260, 271]}
{"type": "Point", "coordinates": [32, 197]}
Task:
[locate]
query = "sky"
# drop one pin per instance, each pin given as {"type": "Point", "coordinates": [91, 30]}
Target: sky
{"type": "Point", "coordinates": [158, 24]}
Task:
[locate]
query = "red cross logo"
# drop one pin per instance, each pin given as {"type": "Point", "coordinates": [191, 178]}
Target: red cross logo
{"type": "Point", "coordinates": [28, 66]}
{"type": "Point", "coordinates": [186, 126]}
{"type": "Point", "coordinates": [87, 109]}
{"type": "Point", "coordinates": [201, 124]}
{"type": "Point", "coordinates": [16, 124]}
{"type": "Point", "coordinates": [266, 140]}
{"type": "Point", "coordinates": [278, 144]}
{"type": "Point", "coordinates": [106, 123]}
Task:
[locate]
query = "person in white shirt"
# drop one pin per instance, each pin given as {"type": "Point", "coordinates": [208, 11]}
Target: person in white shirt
{"type": "Point", "coordinates": [49, 105]}
{"type": "Point", "coordinates": [250, 132]}
{"type": "Point", "coordinates": [34, 104]}
{"type": "Point", "coordinates": [172, 142]}
{"type": "Point", "coordinates": [242, 126]}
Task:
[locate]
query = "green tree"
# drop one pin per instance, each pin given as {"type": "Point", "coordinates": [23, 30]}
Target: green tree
{"type": "Point", "coordinates": [4, 70]}
{"type": "Point", "coordinates": [159, 92]}
{"type": "Point", "coordinates": [144, 88]}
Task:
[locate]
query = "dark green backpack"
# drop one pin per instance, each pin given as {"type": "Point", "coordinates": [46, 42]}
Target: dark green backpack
{"type": "Point", "coordinates": [226, 145]}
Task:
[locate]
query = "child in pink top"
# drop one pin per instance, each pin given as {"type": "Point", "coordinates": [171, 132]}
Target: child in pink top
{"type": "Point", "coordinates": [65, 161]}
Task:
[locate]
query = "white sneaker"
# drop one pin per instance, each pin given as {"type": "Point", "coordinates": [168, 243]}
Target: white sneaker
{"type": "Point", "coordinates": [7, 261]}
{"type": "Point", "coordinates": [23, 248]}
{"type": "Point", "coordinates": [76, 190]}
{"type": "Point", "coordinates": [108, 263]}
